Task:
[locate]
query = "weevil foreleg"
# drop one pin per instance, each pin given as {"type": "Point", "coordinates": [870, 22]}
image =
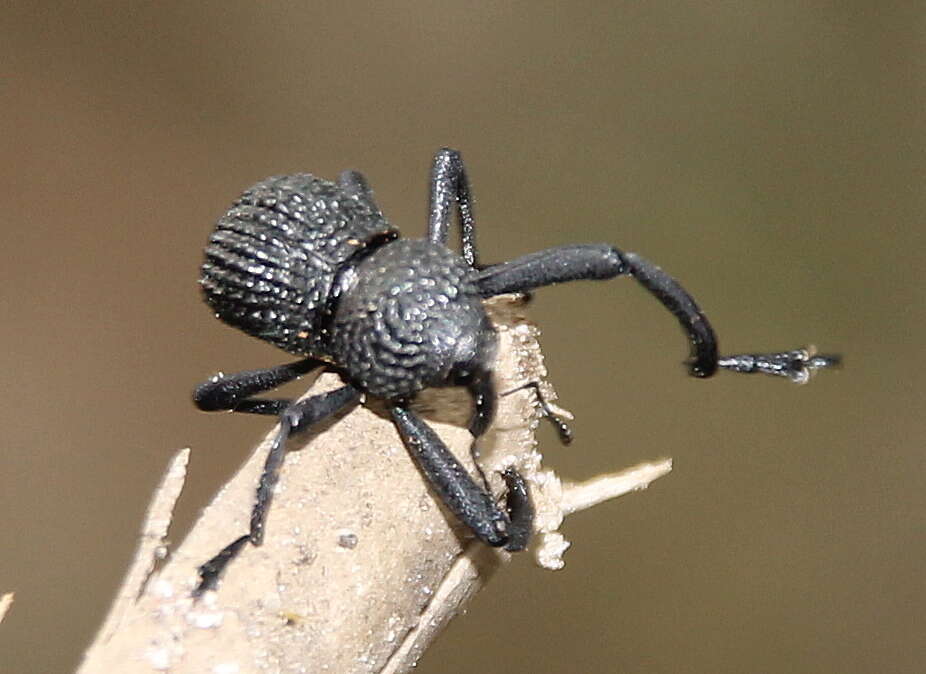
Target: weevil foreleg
{"type": "Point", "coordinates": [601, 261]}
{"type": "Point", "coordinates": [473, 505]}
{"type": "Point", "coordinates": [296, 418]}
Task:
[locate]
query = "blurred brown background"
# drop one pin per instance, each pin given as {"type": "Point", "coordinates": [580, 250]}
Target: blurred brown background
{"type": "Point", "coordinates": [770, 155]}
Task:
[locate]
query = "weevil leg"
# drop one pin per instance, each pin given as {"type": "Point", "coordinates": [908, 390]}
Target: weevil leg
{"type": "Point", "coordinates": [554, 265]}
{"type": "Point", "coordinates": [797, 365]}
{"type": "Point", "coordinates": [211, 571]}
{"type": "Point", "coordinates": [563, 430]}
{"type": "Point", "coordinates": [296, 418]}
{"type": "Point", "coordinates": [675, 298]}
{"type": "Point", "coordinates": [449, 185]}
{"type": "Point", "coordinates": [482, 390]}
{"type": "Point", "coordinates": [234, 392]}
{"type": "Point", "coordinates": [601, 261]}
{"type": "Point", "coordinates": [520, 509]}
{"type": "Point", "coordinates": [473, 505]}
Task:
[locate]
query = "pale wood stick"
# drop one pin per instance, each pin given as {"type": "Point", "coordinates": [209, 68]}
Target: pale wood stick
{"type": "Point", "coordinates": [361, 568]}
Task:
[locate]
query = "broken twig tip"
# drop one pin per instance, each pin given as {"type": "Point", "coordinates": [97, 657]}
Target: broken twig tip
{"type": "Point", "coordinates": [5, 602]}
{"type": "Point", "coordinates": [583, 495]}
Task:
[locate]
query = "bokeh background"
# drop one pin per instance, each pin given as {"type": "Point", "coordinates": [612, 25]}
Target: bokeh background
{"type": "Point", "coordinates": [770, 155]}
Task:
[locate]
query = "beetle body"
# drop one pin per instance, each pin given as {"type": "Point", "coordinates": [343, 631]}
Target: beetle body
{"type": "Point", "coordinates": [314, 268]}
{"type": "Point", "coordinates": [273, 260]}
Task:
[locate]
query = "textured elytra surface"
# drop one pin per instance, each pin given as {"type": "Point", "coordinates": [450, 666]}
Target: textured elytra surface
{"type": "Point", "coordinates": [412, 319]}
{"type": "Point", "coordinates": [271, 261]}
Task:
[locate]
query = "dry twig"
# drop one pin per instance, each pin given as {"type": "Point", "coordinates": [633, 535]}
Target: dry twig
{"type": "Point", "coordinates": [360, 568]}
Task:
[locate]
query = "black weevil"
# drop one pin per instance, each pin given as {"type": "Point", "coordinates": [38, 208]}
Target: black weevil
{"type": "Point", "coordinates": [314, 268]}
